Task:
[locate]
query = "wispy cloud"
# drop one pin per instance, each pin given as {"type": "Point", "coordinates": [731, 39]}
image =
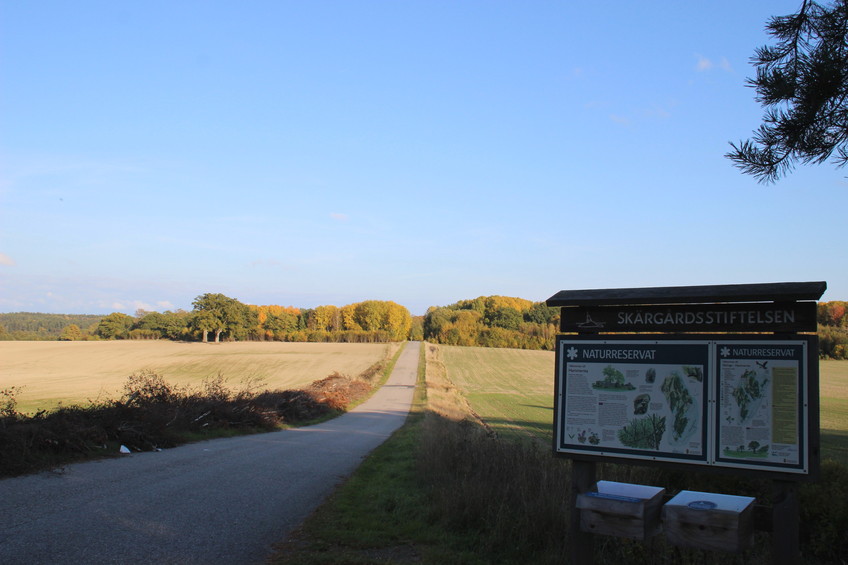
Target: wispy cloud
{"type": "Point", "coordinates": [621, 120]}
{"type": "Point", "coordinates": [339, 217]}
{"type": "Point", "coordinates": [705, 64]}
{"type": "Point", "coordinates": [136, 305]}
{"type": "Point", "coordinates": [6, 260]}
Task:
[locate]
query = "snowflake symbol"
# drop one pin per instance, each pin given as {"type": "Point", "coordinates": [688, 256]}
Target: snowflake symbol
{"type": "Point", "coordinates": [725, 351]}
{"type": "Point", "coordinates": [571, 353]}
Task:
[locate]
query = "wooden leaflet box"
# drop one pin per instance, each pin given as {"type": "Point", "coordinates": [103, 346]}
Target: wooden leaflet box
{"type": "Point", "coordinates": [709, 521]}
{"type": "Point", "coordinates": [621, 510]}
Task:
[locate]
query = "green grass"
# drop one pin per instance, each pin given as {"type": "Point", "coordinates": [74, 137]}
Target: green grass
{"type": "Point", "coordinates": [833, 393]}
{"type": "Point", "coordinates": [510, 389]}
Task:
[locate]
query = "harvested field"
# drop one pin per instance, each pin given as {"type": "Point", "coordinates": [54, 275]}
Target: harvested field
{"type": "Point", "coordinates": [50, 372]}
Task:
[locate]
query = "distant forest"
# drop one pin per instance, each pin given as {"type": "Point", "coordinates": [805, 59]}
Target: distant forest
{"type": "Point", "coordinates": [493, 321]}
{"type": "Point", "coordinates": [487, 321]}
{"type": "Point", "coordinates": [216, 317]}
{"type": "Point", "coordinates": [31, 326]}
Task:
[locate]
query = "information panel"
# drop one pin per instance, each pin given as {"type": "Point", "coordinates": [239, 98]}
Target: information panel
{"type": "Point", "coordinates": [634, 398]}
{"type": "Point", "coordinates": [715, 400]}
{"type": "Point", "coordinates": [761, 403]}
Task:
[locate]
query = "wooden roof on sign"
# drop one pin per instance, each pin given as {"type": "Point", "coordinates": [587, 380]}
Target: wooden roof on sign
{"type": "Point", "coordinates": [763, 292]}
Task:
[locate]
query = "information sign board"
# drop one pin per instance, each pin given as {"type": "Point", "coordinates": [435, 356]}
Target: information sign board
{"type": "Point", "coordinates": [727, 401]}
{"type": "Point", "coordinates": [762, 404]}
{"type": "Point", "coordinates": [633, 399]}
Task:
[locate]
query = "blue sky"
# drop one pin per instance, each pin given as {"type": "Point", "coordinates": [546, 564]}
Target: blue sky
{"type": "Point", "coordinates": [307, 153]}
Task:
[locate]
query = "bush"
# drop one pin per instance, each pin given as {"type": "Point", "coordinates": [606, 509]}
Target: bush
{"type": "Point", "coordinates": [152, 414]}
{"type": "Point", "coordinates": [824, 514]}
{"type": "Point", "coordinates": [833, 342]}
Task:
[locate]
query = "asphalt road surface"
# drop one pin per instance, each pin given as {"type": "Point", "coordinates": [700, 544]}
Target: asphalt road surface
{"type": "Point", "coordinates": [220, 501]}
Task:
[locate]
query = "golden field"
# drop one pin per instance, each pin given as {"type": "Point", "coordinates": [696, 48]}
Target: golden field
{"type": "Point", "coordinates": [50, 373]}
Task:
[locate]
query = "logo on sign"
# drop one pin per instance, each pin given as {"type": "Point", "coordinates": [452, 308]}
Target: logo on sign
{"type": "Point", "coordinates": [590, 323]}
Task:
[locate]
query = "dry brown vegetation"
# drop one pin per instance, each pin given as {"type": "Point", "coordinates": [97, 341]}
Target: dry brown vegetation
{"type": "Point", "coordinates": [152, 413]}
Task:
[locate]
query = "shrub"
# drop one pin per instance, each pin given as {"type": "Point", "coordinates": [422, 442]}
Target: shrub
{"type": "Point", "coordinates": [824, 514]}
{"type": "Point", "coordinates": [152, 413]}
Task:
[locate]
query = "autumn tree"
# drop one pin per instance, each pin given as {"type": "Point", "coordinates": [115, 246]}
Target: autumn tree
{"type": "Point", "coordinates": [802, 81]}
{"type": "Point", "coordinates": [398, 321]}
{"type": "Point", "coordinates": [71, 332]}
{"type": "Point", "coordinates": [493, 321]}
{"type": "Point", "coordinates": [326, 318]}
{"type": "Point", "coordinates": [834, 313]}
{"type": "Point", "coordinates": [280, 322]}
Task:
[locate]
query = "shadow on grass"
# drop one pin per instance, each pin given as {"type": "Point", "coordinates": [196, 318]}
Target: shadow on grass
{"type": "Point", "coordinates": [442, 491]}
{"type": "Point", "coordinates": [834, 445]}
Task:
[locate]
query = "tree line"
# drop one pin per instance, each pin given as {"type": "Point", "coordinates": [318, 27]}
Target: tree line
{"type": "Point", "coordinates": [832, 320]}
{"type": "Point", "coordinates": [493, 321]}
{"type": "Point", "coordinates": [216, 317]}
{"type": "Point", "coordinates": [32, 326]}
{"type": "Point", "coordinates": [487, 321]}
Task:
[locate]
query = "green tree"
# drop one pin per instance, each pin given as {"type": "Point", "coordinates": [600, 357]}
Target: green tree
{"type": "Point", "coordinates": [802, 81]}
{"type": "Point", "coordinates": [280, 323]}
{"type": "Point", "coordinates": [115, 326]}
{"type": "Point", "coordinates": [416, 328]}
{"type": "Point", "coordinates": [150, 322]}
{"type": "Point", "coordinates": [435, 321]}
{"type": "Point", "coordinates": [541, 313]}
{"type": "Point", "coordinates": [221, 314]}
{"type": "Point", "coordinates": [508, 318]}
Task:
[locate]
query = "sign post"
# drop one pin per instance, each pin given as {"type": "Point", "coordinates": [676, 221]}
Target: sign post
{"type": "Point", "coordinates": [699, 378]}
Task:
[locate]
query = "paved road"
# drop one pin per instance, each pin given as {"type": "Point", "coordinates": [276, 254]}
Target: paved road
{"type": "Point", "coordinates": [221, 501]}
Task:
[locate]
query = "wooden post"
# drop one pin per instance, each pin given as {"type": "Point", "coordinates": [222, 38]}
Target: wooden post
{"type": "Point", "coordinates": [581, 547]}
{"type": "Point", "coordinates": [785, 543]}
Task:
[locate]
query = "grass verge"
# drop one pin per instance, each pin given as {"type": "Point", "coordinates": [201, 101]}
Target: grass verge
{"type": "Point", "coordinates": [445, 489]}
{"type": "Point", "coordinates": [380, 514]}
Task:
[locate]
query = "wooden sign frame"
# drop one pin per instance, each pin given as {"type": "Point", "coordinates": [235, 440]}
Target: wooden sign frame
{"type": "Point", "coordinates": [729, 399]}
{"type": "Point", "coordinates": [674, 318]}
{"type": "Point", "coordinates": [765, 321]}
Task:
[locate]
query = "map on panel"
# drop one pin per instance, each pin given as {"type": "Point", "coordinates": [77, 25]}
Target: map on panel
{"type": "Point", "coordinates": [758, 402]}
{"type": "Point", "coordinates": [633, 397]}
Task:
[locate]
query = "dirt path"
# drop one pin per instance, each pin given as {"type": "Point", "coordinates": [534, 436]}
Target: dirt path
{"type": "Point", "coordinates": [221, 501]}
